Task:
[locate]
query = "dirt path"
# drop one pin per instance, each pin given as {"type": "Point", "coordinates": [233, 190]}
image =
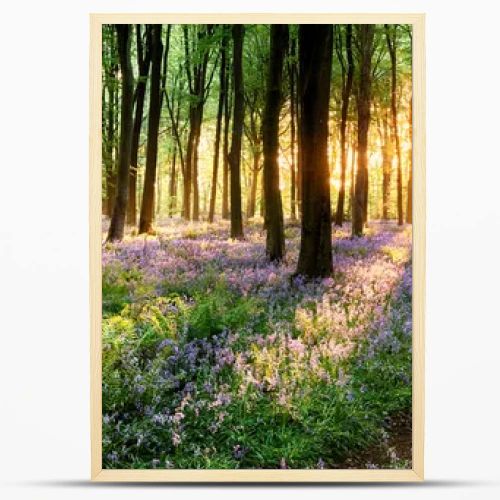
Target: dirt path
{"type": "Point", "coordinates": [395, 451]}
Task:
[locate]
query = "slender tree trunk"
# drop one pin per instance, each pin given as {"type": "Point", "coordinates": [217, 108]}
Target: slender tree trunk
{"type": "Point", "coordinates": [225, 152]}
{"type": "Point", "coordinates": [163, 89]}
{"type": "Point", "coordinates": [386, 167]}
{"type": "Point", "coordinates": [275, 241]}
{"type": "Point", "coordinates": [391, 45]}
{"type": "Point", "coordinates": [158, 191]}
{"type": "Point", "coordinates": [108, 150]}
{"type": "Point", "coordinates": [262, 203]}
{"type": "Point", "coordinates": [315, 56]}
{"type": "Point", "coordinates": [143, 63]}
{"type": "Point", "coordinates": [366, 34]}
{"type": "Point", "coordinates": [163, 92]}
{"type": "Point", "coordinates": [353, 170]}
{"type": "Point", "coordinates": [174, 119]}
{"type": "Point", "coordinates": [116, 141]}
{"type": "Point", "coordinates": [409, 201]}
{"type": "Point", "coordinates": [148, 197]}
{"type": "Point", "coordinates": [117, 226]}
{"type": "Point", "coordinates": [172, 186]}
{"type": "Point", "coordinates": [293, 181]}
{"type": "Point", "coordinates": [196, 66]}
{"type": "Point", "coordinates": [103, 145]}
{"type": "Point", "coordinates": [366, 191]}
{"type": "Point", "coordinates": [112, 115]}
{"type": "Point", "coordinates": [196, 192]}
{"type": "Point", "coordinates": [346, 94]}
{"type": "Point", "coordinates": [255, 139]}
{"type": "Point", "coordinates": [188, 168]}
{"type": "Point", "coordinates": [252, 199]}
{"type": "Point", "coordinates": [218, 125]}
{"type": "Point", "coordinates": [299, 148]}
{"type": "Point", "coordinates": [235, 154]}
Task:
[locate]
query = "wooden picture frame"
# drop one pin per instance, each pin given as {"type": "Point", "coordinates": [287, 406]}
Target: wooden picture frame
{"type": "Point", "coordinates": [255, 475]}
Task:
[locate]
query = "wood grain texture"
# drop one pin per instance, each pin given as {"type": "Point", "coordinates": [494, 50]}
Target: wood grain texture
{"type": "Point", "coordinates": [419, 251]}
{"type": "Point", "coordinates": [95, 247]}
{"type": "Point", "coordinates": [418, 256]}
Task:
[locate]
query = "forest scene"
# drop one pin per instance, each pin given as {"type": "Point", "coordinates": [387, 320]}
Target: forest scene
{"type": "Point", "coordinates": [257, 246]}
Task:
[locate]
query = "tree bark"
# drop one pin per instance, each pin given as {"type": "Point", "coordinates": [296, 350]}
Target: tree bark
{"type": "Point", "coordinates": [148, 197]}
{"type": "Point", "coordinates": [409, 202]}
{"type": "Point", "coordinates": [109, 132]}
{"type": "Point", "coordinates": [346, 94]}
{"type": "Point", "coordinates": [254, 136]}
{"type": "Point", "coordinates": [353, 171]}
{"type": "Point", "coordinates": [196, 67]}
{"type": "Point", "coordinates": [238, 111]}
{"type": "Point", "coordinates": [386, 167]}
{"type": "Point", "coordinates": [143, 63]}
{"type": "Point", "coordinates": [116, 142]}
{"type": "Point", "coordinates": [108, 151]}
{"type": "Point", "coordinates": [158, 192]}
{"type": "Point", "coordinates": [218, 125]}
{"type": "Point", "coordinates": [315, 57]}
{"type": "Point", "coordinates": [366, 34]}
{"type": "Point", "coordinates": [252, 199]}
{"type": "Point", "coordinates": [391, 45]}
{"type": "Point", "coordinates": [299, 147]}
{"type": "Point", "coordinates": [117, 226]}
{"type": "Point", "coordinates": [275, 241]}
{"type": "Point", "coordinates": [293, 180]}
{"type": "Point", "coordinates": [172, 191]}
{"type": "Point", "coordinates": [225, 150]}
{"type": "Point", "coordinates": [174, 119]}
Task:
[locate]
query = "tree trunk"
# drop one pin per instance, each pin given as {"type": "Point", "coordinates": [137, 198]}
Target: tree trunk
{"type": "Point", "coordinates": [117, 226]}
{"type": "Point", "coordinates": [366, 191]}
{"type": "Point", "coordinates": [262, 203]}
{"type": "Point", "coordinates": [315, 57]}
{"type": "Point", "coordinates": [386, 167]}
{"type": "Point", "coordinates": [158, 192]}
{"type": "Point", "coordinates": [172, 194]}
{"type": "Point", "coordinates": [108, 151]}
{"type": "Point", "coordinates": [163, 89]}
{"type": "Point", "coordinates": [391, 45]}
{"type": "Point", "coordinates": [143, 63]}
{"type": "Point", "coordinates": [116, 142]}
{"type": "Point", "coordinates": [346, 94]}
{"type": "Point", "coordinates": [148, 197]}
{"type": "Point", "coordinates": [108, 144]}
{"type": "Point", "coordinates": [238, 111]}
{"type": "Point", "coordinates": [409, 201]}
{"type": "Point", "coordinates": [353, 170]}
{"type": "Point", "coordinates": [252, 199]}
{"type": "Point", "coordinates": [225, 148]}
{"type": "Point", "coordinates": [293, 181]}
{"type": "Point", "coordinates": [254, 136]}
{"type": "Point", "coordinates": [174, 119]}
{"type": "Point", "coordinates": [196, 192]}
{"type": "Point", "coordinates": [188, 168]}
{"type": "Point", "coordinates": [196, 75]}
{"type": "Point", "coordinates": [255, 169]}
{"type": "Point", "coordinates": [366, 34]}
{"type": "Point", "coordinates": [275, 241]}
{"type": "Point", "coordinates": [220, 109]}
{"type": "Point", "coordinates": [299, 149]}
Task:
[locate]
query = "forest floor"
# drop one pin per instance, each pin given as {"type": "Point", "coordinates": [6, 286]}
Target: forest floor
{"type": "Point", "coordinates": [214, 358]}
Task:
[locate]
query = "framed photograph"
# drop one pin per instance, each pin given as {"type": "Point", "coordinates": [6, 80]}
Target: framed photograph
{"type": "Point", "coordinates": [257, 247]}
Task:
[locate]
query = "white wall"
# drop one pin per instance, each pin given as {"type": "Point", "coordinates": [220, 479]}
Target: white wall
{"type": "Point", "coordinates": [44, 421]}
